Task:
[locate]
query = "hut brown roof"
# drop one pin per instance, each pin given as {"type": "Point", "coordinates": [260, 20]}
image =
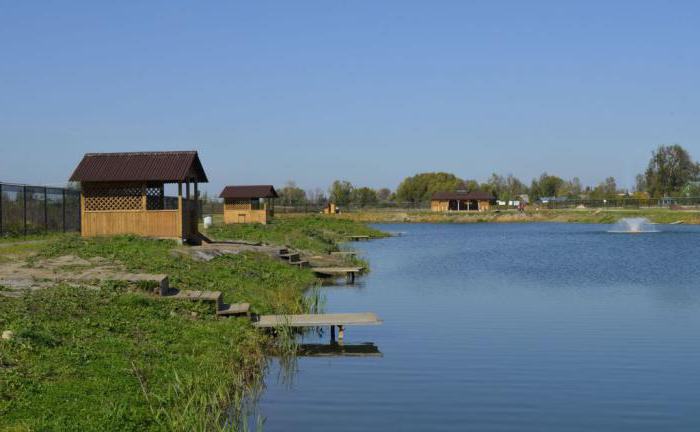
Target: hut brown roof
{"type": "Point", "coordinates": [163, 166]}
{"type": "Point", "coordinates": [479, 196]}
{"type": "Point", "coordinates": [249, 191]}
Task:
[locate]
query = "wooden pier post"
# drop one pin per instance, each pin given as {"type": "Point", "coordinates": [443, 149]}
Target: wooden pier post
{"type": "Point", "coordinates": [332, 333]}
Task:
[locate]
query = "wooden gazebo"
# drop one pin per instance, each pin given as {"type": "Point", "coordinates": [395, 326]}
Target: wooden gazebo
{"type": "Point", "coordinates": [249, 204]}
{"type": "Point", "coordinates": [123, 193]}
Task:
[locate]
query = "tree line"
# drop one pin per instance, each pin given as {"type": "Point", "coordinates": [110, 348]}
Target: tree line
{"type": "Point", "coordinates": [671, 172]}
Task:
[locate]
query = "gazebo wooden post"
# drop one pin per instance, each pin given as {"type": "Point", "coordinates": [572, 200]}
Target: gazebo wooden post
{"type": "Point", "coordinates": [188, 215]}
{"type": "Point", "coordinates": [195, 222]}
{"type": "Point", "coordinates": [179, 210]}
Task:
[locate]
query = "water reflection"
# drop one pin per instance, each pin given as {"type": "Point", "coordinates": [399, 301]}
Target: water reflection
{"type": "Point", "coordinates": [339, 349]}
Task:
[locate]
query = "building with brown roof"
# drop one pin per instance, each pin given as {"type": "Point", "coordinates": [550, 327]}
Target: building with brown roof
{"type": "Point", "coordinates": [249, 204]}
{"type": "Point", "coordinates": [461, 201]}
{"type": "Point", "coordinates": [124, 193]}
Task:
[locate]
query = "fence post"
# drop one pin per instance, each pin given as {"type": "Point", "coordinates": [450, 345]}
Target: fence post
{"type": "Point", "coordinates": [46, 209]}
{"type": "Point", "coordinates": [24, 205]}
{"type": "Point", "coordinates": [63, 211]}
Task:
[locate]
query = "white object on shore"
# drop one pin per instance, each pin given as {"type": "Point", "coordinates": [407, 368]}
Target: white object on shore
{"type": "Point", "coordinates": [8, 334]}
{"type": "Point", "coordinates": [207, 221]}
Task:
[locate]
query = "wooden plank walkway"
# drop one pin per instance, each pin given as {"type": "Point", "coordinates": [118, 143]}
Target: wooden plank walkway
{"type": "Point", "coordinates": [336, 271]}
{"type": "Point", "coordinates": [348, 272]}
{"type": "Point", "coordinates": [234, 309]}
{"type": "Point", "coordinates": [318, 320]}
{"type": "Point", "coordinates": [344, 253]}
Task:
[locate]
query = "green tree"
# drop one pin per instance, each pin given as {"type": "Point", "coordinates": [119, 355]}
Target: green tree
{"type": "Point", "coordinates": [364, 197]}
{"type": "Point", "coordinates": [504, 188]}
{"type": "Point", "coordinates": [291, 195]}
{"type": "Point", "coordinates": [691, 189]}
{"type": "Point", "coordinates": [606, 189]}
{"type": "Point", "coordinates": [469, 186]}
{"type": "Point", "coordinates": [514, 187]}
{"type": "Point", "coordinates": [545, 186]}
{"type": "Point", "coordinates": [340, 192]}
{"type": "Point", "coordinates": [640, 183]}
{"type": "Point", "coordinates": [571, 188]}
{"type": "Point", "coordinates": [420, 187]}
{"type": "Point", "coordinates": [496, 184]}
{"type": "Point", "coordinates": [384, 194]}
{"type": "Point", "coordinates": [670, 169]}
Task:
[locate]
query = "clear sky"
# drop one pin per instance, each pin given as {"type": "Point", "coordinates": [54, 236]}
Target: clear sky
{"type": "Point", "coordinates": [368, 91]}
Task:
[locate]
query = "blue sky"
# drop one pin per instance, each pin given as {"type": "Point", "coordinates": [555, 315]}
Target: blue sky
{"type": "Point", "coordinates": [368, 91]}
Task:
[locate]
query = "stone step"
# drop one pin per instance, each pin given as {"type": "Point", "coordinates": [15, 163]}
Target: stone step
{"type": "Point", "coordinates": [207, 296]}
{"type": "Point", "coordinates": [234, 309]}
{"type": "Point", "coordinates": [292, 256]}
{"type": "Point", "coordinates": [300, 264]}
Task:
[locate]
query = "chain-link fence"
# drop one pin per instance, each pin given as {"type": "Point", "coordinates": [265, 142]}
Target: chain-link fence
{"type": "Point", "coordinates": [35, 209]}
{"type": "Point", "coordinates": [670, 202]}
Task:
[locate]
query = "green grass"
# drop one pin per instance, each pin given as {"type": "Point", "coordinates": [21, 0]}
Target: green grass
{"type": "Point", "coordinates": [314, 233]}
{"type": "Point", "coordinates": [603, 216]}
{"type": "Point", "coordinates": [269, 285]}
{"type": "Point", "coordinates": [118, 358]}
{"type": "Point", "coordinates": [113, 360]}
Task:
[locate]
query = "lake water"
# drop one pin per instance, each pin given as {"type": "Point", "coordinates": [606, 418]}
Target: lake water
{"type": "Point", "coordinates": [508, 327]}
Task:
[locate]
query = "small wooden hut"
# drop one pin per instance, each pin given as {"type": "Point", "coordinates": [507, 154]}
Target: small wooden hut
{"type": "Point", "coordinates": [330, 208]}
{"type": "Point", "coordinates": [249, 204]}
{"type": "Point", "coordinates": [461, 201]}
{"type": "Point", "coordinates": [124, 193]}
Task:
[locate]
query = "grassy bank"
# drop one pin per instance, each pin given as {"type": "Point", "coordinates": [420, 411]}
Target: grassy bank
{"type": "Point", "coordinates": [511, 216]}
{"type": "Point", "coordinates": [119, 358]}
{"type": "Point", "coordinates": [314, 233]}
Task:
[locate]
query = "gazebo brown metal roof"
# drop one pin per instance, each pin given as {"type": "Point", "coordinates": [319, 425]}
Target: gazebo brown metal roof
{"type": "Point", "coordinates": [479, 196]}
{"type": "Point", "coordinates": [249, 191]}
{"type": "Point", "coordinates": [161, 166]}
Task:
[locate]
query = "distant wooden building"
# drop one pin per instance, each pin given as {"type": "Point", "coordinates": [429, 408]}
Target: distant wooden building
{"type": "Point", "coordinates": [461, 201]}
{"type": "Point", "coordinates": [249, 204]}
{"type": "Point", "coordinates": [330, 208]}
{"type": "Point", "coordinates": [124, 193]}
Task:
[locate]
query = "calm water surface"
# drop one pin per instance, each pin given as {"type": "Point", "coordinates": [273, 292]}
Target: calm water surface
{"type": "Point", "coordinates": [537, 327]}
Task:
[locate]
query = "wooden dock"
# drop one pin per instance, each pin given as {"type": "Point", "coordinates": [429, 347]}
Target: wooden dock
{"type": "Point", "coordinates": [344, 253]}
{"type": "Point", "coordinates": [358, 237]}
{"type": "Point", "coordinates": [348, 272]}
{"type": "Point", "coordinates": [319, 320]}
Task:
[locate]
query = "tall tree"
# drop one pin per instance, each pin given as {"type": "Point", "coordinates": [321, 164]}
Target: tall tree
{"type": "Point", "coordinates": [340, 192]}
{"type": "Point", "coordinates": [420, 187]}
{"type": "Point", "coordinates": [291, 195]}
{"type": "Point", "coordinates": [496, 184]}
{"type": "Point", "coordinates": [640, 183]}
{"type": "Point", "coordinates": [605, 189]}
{"type": "Point", "coordinates": [545, 186]}
{"type": "Point", "coordinates": [571, 188]}
{"type": "Point", "coordinates": [670, 169]}
{"type": "Point", "coordinates": [384, 194]}
{"type": "Point", "coordinates": [364, 197]}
